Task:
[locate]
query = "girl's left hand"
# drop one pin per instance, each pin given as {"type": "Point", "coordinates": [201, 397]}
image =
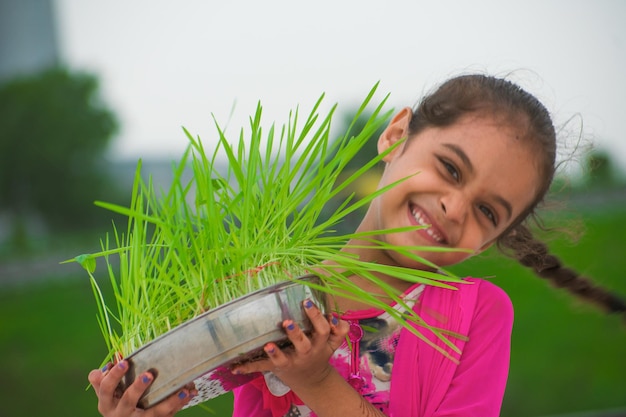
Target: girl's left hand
{"type": "Point", "coordinates": [306, 364]}
{"type": "Point", "coordinates": [114, 403]}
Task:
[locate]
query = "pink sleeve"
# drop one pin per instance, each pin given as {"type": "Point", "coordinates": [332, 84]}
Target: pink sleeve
{"type": "Point", "coordinates": [249, 402]}
{"type": "Point", "coordinates": [478, 385]}
{"type": "Point", "coordinates": [424, 383]}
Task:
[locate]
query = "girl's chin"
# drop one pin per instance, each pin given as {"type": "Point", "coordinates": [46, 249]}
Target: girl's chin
{"type": "Point", "coordinates": [440, 260]}
{"type": "Point", "coordinates": [423, 264]}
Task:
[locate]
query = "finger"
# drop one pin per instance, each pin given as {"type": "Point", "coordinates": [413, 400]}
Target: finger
{"type": "Point", "coordinates": [300, 341]}
{"type": "Point", "coordinates": [174, 403]}
{"type": "Point", "coordinates": [338, 331]}
{"type": "Point", "coordinates": [108, 384]}
{"type": "Point", "coordinates": [96, 375]}
{"type": "Point", "coordinates": [133, 393]}
{"type": "Point", "coordinates": [276, 359]}
{"type": "Point", "coordinates": [318, 320]}
{"type": "Point", "coordinates": [276, 356]}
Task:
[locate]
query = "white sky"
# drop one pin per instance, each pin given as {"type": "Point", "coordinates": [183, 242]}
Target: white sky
{"type": "Point", "coordinates": [166, 64]}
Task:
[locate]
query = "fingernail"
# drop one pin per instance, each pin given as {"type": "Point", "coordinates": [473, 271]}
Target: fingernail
{"type": "Point", "coordinates": [122, 365]}
{"type": "Point", "coordinates": [334, 321]}
{"type": "Point", "coordinates": [308, 304]}
{"type": "Point", "coordinates": [182, 395]}
{"type": "Point", "coordinates": [105, 368]}
{"type": "Point", "coordinates": [145, 379]}
{"type": "Point", "coordinates": [270, 349]}
{"type": "Point", "coordinates": [291, 326]}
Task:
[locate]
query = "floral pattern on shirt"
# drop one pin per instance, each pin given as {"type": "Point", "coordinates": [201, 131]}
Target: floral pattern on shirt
{"type": "Point", "coordinates": [376, 353]}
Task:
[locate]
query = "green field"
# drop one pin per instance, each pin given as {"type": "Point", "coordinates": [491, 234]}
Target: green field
{"type": "Point", "coordinates": [567, 358]}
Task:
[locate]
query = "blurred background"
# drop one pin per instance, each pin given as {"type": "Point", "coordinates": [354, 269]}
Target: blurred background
{"type": "Point", "coordinates": [87, 88]}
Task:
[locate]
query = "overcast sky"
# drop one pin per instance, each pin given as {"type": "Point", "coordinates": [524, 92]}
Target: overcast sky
{"type": "Point", "coordinates": [166, 64]}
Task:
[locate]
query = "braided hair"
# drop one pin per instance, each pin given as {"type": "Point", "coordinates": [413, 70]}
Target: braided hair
{"type": "Point", "coordinates": [502, 99]}
{"type": "Point", "coordinates": [534, 254]}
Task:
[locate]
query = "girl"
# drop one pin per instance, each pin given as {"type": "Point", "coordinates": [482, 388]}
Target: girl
{"type": "Point", "coordinates": [485, 153]}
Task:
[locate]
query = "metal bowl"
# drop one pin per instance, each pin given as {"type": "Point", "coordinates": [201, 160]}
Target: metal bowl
{"type": "Point", "coordinates": [202, 349]}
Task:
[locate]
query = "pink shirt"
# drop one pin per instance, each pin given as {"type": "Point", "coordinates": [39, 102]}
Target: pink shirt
{"type": "Point", "coordinates": [424, 382]}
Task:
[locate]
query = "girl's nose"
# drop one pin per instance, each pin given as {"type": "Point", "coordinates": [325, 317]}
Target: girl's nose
{"type": "Point", "coordinates": [454, 208]}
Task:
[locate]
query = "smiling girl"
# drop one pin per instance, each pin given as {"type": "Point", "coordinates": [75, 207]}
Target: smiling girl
{"type": "Point", "coordinates": [478, 155]}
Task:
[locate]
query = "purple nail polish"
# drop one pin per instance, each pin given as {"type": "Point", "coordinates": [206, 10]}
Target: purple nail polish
{"type": "Point", "coordinates": [334, 321]}
{"type": "Point", "coordinates": [182, 395]}
{"type": "Point", "coordinates": [122, 365]}
{"type": "Point", "coordinates": [105, 368]}
{"type": "Point", "coordinates": [145, 379]}
{"type": "Point", "coordinates": [291, 326]}
{"type": "Point", "coordinates": [308, 304]}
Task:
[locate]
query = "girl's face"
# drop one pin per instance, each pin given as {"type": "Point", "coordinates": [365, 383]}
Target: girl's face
{"type": "Point", "coordinates": [472, 180]}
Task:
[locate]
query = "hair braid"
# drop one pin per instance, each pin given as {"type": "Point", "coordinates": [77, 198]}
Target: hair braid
{"type": "Point", "coordinates": [534, 254]}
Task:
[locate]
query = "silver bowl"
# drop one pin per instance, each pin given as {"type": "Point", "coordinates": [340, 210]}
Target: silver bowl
{"type": "Point", "coordinates": [203, 349]}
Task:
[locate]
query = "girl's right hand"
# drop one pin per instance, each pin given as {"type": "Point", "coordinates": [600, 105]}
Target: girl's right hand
{"type": "Point", "coordinates": [112, 404]}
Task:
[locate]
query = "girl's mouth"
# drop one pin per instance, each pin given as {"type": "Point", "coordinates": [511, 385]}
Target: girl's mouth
{"type": "Point", "coordinates": [422, 220]}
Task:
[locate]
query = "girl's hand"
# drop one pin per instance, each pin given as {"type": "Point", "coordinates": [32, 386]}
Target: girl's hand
{"type": "Point", "coordinates": [111, 403]}
{"type": "Point", "coordinates": [305, 365]}
{"type": "Point", "coordinates": [306, 370]}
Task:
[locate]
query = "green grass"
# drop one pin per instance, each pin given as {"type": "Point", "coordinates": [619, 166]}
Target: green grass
{"type": "Point", "coordinates": [201, 243]}
{"type": "Point", "coordinates": [566, 356]}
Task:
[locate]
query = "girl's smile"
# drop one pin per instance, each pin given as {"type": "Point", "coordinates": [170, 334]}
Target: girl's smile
{"type": "Point", "coordinates": [419, 218]}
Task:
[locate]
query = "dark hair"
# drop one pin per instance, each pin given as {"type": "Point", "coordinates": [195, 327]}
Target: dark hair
{"type": "Point", "coordinates": [502, 99]}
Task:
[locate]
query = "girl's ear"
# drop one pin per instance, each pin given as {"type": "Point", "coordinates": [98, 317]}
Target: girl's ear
{"type": "Point", "coordinates": [397, 129]}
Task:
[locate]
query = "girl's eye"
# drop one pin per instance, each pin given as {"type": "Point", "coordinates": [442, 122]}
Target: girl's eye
{"type": "Point", "coordinates": [489, 214]}
{"type": "Point", "coordinates": [451, 170]}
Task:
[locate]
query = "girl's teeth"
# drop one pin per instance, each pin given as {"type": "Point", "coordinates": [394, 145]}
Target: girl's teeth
{"type": "Point", "coordinates": [429, 231]}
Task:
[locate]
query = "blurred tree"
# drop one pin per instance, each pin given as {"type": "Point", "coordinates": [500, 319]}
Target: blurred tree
{"type": "Point", "coordinates": [600, 170]}
{"type": "Point", "coordinates": [54, 130]}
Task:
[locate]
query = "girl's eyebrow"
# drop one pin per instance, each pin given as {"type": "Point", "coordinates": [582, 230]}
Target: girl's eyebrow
{"type": "Point", "coordinates": [505, 204]}
{"type": "Point", "coordinates": [461, 154]}
{"type": "Point", "coordinates": [458, 151]}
